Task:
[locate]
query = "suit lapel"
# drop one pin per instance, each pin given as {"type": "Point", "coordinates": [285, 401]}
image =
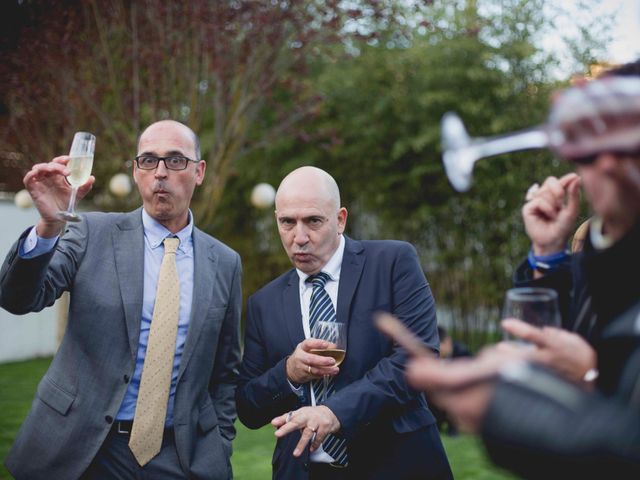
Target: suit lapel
{"type": "Point", "coordinates": [128, 246]}
{"type": "Point", "coordinates": [350, 273]}
{"type": "Point", "coordinates": [205, 260]}
{"type": "Point", "coordinates": [292, 309]}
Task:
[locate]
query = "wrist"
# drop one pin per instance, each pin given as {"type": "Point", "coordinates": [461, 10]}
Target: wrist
{"type": "Point", "coordinates": [335, 423]}
{"type": "Point", "coordinates": [590, 378]}
{"type": "Point", "coordinates": [548, 250]}
{"type": "Point", "coordinates": [46, 229]}
{"type": "Point", "coordinates": [547, 263]}
{"type": "Point", "coordinates": [287, 370]}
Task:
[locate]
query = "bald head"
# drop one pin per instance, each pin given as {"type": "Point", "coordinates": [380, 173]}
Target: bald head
{"type": "Point", "coordinates": [310, 219]}
{"type": "Point", "coordinates": [310, 182]}
{"type": "Point", "coordinates": [163, 124]}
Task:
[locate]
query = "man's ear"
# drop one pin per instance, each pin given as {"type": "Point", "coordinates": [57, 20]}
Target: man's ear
{"type": "Point", "coordinates": [342, 219]}
{"type": "Point", "coordinates": [201, 167]}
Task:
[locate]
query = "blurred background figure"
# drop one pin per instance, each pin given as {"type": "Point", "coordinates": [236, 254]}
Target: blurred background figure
{"type": "Point", "coordinates": [544, 424]}
{"type": "Point", "coordinates": [450, 348]}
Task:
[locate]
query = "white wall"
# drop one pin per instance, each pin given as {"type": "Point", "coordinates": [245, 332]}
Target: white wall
{"type": "Point", "coordinates": [23, 336]}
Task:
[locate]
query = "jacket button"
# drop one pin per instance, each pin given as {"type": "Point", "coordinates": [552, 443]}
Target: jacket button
{"type": "Point", "coordinates": [126, 378]}
{"type": "Point", "coordinates": [109, 419]}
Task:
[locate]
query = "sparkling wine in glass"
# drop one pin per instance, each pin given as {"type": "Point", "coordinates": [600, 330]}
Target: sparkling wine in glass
{"type": "Point", "coordinates": [535, 306]}
{"type": "Point", "coordinates": [80, 164]}
{"type": "Point", "coordinates": [336, 334]}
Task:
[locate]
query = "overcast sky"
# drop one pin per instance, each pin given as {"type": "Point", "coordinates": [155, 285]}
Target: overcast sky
{"type": "Point", "coordinates": [626, 46]}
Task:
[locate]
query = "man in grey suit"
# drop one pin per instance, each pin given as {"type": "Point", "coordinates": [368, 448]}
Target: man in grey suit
{"type": "Point", "coordinates": [89, 406]}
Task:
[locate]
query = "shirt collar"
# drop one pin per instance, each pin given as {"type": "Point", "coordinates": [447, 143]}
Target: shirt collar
{"type": "Point", "coordinates": [156, 233]}
{"type": "Point", "coordinates": [599, 240]}
{"type": "Point", "coordinates": [332, 267]}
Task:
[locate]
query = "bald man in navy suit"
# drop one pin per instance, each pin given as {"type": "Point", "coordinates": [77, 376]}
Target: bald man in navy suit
{"type": "Point", "coordinates": [373, 425]}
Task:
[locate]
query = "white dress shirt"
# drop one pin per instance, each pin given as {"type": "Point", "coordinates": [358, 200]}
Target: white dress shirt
{"type": "Point", "coordinates": [332, 268]}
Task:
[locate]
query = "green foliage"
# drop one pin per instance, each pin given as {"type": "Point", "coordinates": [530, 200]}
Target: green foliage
{"type": "Point", "coordinates": [377, 131]}
{"type": "Point", "coordinates": [272, 86]}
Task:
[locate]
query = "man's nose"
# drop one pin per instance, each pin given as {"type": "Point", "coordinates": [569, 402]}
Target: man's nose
{"type": "Point", "coordinates": [300, 234]}
{"type": "Point", "coordinates": [161, 170]}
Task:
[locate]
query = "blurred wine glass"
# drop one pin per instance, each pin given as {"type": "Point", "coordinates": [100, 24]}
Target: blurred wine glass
{"type": "Point", "coordinates": [599, 116]}
{"type": "Point", "coordinates": [536, 306]}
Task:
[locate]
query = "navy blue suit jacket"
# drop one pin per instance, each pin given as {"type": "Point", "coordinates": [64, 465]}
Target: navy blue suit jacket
{"type": "Point", "coordinates": [372, 401]}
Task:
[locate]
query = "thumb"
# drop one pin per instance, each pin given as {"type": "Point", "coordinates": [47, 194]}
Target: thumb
{"type": "Point", "coordinates": [86, 187]}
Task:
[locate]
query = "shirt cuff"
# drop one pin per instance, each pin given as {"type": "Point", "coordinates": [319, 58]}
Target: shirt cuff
{"type": "Point", "coordinates": [299, 391]}
{"type": "Point", "coordinates": [34, 245]}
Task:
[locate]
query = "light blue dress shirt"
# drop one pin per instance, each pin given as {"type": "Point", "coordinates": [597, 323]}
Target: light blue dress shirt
{"type": "Point", "coordinates": [154, 235]}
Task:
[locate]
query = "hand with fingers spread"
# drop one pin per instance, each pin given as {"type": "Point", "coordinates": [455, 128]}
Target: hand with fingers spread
{"type": "Point", "coordinates": [462, 387]}
{"type": "Point", "coordinates": [565, 352]}
{"type": "Point", "coordinates": [303, 366]}
{"type": "Point", "coordinates": [550, 213]}
{"type": "Point", "coordinates": [315, 423]}
{"type": "Point", "coordinates": [50, 192]}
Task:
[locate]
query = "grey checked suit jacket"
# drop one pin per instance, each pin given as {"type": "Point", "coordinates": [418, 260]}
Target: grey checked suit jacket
{"type": "Point", "coordinates": [101, 262]}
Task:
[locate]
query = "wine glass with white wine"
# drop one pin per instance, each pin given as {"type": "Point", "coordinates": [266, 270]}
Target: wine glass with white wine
{"type": "Point", "coordinates": [536, 306]}
{"type": "Point", "coordinates": [336, 334]}
{"type": "Point", "coordinates": [80, 164]}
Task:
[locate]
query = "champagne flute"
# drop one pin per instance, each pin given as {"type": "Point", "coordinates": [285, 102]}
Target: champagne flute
{"type": "Point", "coordinates": [336, 334]}
{"type": "Point", "coordinates": [80, 164]}
{"type": "Point", "coordinates": [535, 306]}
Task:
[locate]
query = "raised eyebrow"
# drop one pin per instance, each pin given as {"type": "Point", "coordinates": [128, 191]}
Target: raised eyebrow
{"type": "Point", "coordinates": [175, 153]}
{"type": "Point", "coordinates": [172, 153]}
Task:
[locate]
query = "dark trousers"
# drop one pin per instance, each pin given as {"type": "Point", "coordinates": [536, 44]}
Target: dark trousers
{"type": "Point", "coordinates": [410, 456]}
{"type": "Point", "coordinates": [115, 461]}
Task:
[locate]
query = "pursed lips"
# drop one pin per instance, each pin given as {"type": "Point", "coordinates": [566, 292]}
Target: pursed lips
{"type": "Point", "coordinates": [159, 189]}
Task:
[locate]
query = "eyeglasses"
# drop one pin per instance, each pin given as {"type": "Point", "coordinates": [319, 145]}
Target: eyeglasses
{"type": "Point", "coordinates": [589, 159]}
{"type": "Point", "coordinates": [173, 162]}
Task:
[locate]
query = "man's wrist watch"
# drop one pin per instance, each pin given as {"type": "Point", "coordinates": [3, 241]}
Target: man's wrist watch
{"type": "Point", "coordinates": [591, 375]}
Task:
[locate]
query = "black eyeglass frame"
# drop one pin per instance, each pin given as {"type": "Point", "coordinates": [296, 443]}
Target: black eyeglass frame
{"type": "Point", "coordinates": [164, 160]}
{"type": "Point", "coordinates": [589, 159]}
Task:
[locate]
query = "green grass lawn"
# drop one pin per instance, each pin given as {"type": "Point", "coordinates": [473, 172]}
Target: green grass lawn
{"type": "Point", "coordinates": [252, 448]}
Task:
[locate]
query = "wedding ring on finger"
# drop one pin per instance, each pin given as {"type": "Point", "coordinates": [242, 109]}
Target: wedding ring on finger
{"type": "Point", "coordinates": [532, 191]}
{"type": "Point", "coordinates": [313, 436]}
{"type": "Point", "coordinates": [309, 369]}
{"type": "Point", "coordinates": [289, 415]}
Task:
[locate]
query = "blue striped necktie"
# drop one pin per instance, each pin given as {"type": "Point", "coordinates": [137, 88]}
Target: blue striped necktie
{"type": "Point", "coordinates": [321, 310]}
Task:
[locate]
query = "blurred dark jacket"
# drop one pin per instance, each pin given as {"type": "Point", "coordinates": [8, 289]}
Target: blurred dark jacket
{"type": "Point", "coordinates": [540, 426]}
{"type": "Point", "coordinates": [594, 287]}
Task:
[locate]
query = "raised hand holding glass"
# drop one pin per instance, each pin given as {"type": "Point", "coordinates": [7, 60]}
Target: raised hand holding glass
{"type": "Point", "coordinates": [80, 165]}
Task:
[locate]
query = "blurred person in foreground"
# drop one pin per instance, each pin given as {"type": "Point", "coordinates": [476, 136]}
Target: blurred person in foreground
{"type": "Point", "coordinates": [143, 383]}
{"type": "Point", "coordinates": [449, 349]}
{"type": "Point", "coordinates": [372, 424]}
{"type": "Point", "coordinates": [544, 424]}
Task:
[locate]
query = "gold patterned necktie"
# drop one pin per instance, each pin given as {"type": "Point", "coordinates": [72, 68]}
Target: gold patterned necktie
{"type": "Point", "coordinates": [151, 407]}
